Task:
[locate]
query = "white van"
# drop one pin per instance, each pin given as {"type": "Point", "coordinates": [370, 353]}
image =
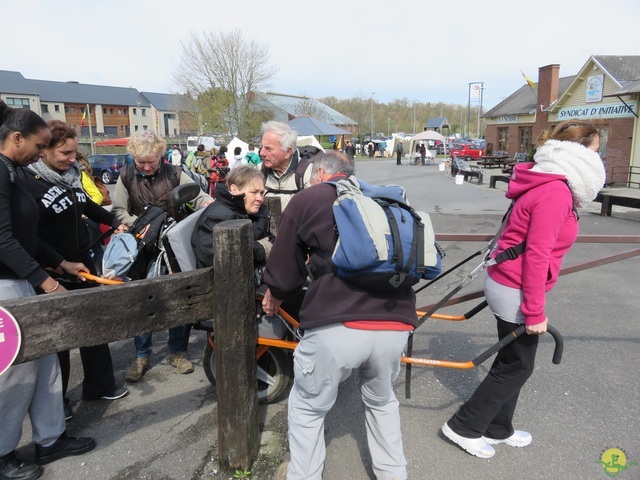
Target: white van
{"type": "Point", "coordinates": [208, 142]}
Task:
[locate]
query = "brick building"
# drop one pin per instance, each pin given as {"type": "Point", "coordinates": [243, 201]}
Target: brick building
{"type": "Point", "coordinates": [605, 92]}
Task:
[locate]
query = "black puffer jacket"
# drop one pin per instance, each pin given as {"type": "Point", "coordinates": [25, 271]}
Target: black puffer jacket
{"type": "Point", "coordinates": [228, 207]}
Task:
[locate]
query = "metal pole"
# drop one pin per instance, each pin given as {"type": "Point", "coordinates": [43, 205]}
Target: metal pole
{"type": "Point", "coordinates": [90, 132]}
{"type": "Point", "coordinates": [480, 109]}
{"type": "Point", "coordinates": [468, 112]}
{"type": "Point", "coordinates": [373, 121]}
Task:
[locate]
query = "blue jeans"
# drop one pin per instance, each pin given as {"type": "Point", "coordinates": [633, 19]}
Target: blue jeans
{"type": "Point", "coordinates": [177, 343]}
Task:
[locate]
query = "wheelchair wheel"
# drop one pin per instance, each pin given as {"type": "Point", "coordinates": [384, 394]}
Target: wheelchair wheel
{"type": "Point", "coordinates": [274, 372]}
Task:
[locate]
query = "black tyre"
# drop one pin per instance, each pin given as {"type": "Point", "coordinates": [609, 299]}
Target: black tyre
{"type": "Point", "coordinates": [274, 372]}
{"type": "Point", "coordinates": [106, 177]}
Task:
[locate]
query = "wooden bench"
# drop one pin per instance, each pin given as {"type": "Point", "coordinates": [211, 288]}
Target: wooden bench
{"type": "Point", "coordinates": [621, 196]}
{"type": "Point", "coordinates": [498, 178]}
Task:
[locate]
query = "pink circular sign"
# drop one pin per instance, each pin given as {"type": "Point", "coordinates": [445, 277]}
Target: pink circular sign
{"type": "Point", "coordinates": [10, 340]}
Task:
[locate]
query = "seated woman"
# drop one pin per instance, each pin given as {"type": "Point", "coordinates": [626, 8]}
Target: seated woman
{"type": "Point", "coordinates": [241, 197]}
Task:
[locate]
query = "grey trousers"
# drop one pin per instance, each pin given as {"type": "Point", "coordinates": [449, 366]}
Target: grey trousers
{"type": "Point", "coordinates": [34, 387]}
{"type": "Point", "coordinates": [325, 357]}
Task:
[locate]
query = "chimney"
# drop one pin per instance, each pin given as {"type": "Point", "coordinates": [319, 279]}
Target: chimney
{"type": "Point", "coordinates": [548, 80]}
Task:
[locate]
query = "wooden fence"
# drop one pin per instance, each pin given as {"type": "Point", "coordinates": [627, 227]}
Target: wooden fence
{"type": "Point", "coordinates": [52, 323]}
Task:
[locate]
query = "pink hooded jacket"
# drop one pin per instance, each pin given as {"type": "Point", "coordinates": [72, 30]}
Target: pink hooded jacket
{"type": "Point", "coordinates": [543, 216]}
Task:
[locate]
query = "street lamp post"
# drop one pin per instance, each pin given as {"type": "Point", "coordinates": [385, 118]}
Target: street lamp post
{"type": "Point", "coordinates": [373, 122]}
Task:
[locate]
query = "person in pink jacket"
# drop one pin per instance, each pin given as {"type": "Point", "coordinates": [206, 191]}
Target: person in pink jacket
{"type": "Point", "coordinates": [567, 173]}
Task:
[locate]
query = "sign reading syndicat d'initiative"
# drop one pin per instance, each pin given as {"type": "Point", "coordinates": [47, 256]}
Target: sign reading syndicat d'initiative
{"type": "Point", "coordinates": [9, 340]}
{"type": "Point", "coordinates": [610, 110]}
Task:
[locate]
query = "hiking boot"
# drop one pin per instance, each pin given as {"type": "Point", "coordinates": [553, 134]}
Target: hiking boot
{"type": "Point", "coordinates": [12, 468]}
{"type": "Point", "coordinates": [518, 439]}
{"type": "Point", "coordinates": [64, 447]}
{"type": "Point", "coordinates": [137, 369]}
{"type": "Point", "coordinates": [475, 446]}
{"type": "Point", "coordinates": [181, 362]}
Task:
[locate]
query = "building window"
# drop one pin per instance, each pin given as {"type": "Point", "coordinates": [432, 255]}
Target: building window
{"type": "Point", "coordinates": [18, 103]}
{"type": "Point", "coordinates": [136, 128]}
{"type": "Point", "coordinates": [503, 139]}
{"type": "Point", "coordinates": [119, 111]}
{"type": "Point", "coordinates": [135, 112]}
{"type": "Point", "coordinates": [104, 111]}
{"type": "Point", "coordinates": [524, 142]}
{"type": "Point", "coordinates": [90, 110]}
{"type": "Point", "coordinates": [126, 111]}
{"type": "Point", "coordinates": [73, 109]}
{"type": "Point", "coordinates": [144, 112]}
{"type": "Point", "coordinates": [45, 108]}
{"type": "Point", "coordinates": [82, 110]}
{"type": "Point", "coordinates": [66, 109]}
{"type": "Point", "coordinates": [111, 111]}
{"type": "Point", "coordinates": [144, 128]}
{"type": "Point", "coordinates": [56, 108]}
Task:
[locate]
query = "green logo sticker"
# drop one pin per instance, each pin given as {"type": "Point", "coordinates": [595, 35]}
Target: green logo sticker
{"type": "Point", "coordinates": [614, 461]}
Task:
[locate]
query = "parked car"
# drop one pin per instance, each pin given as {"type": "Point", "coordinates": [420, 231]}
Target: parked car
{"type": "Point", "coordinates": [106, 166]}
{"type": "Point", "coordinates": [467, 151]}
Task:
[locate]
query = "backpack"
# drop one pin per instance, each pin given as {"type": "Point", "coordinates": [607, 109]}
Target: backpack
{"type": "Point", "coordinates": [198, 179]}
{"type": "Point", "coordinates": [200, 166]}
{"type": "Point", "coordinates": [383, 245]}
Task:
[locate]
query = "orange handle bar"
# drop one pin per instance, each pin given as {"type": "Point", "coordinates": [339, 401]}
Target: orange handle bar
{"type": "Point", "coordinates": [104, 281]}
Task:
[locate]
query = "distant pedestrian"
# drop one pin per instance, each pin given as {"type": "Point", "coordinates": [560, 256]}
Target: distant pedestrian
{"type": "Point", "coordinates": [176, 156]}
{"type": "Point", "coordinates": [252, 158]}
{"type": "Point", "coordinates": [350, 151]}
{"type": "Point", "coordinates": [399, 152]}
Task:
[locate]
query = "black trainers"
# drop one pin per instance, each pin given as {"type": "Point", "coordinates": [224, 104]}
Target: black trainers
{"type": "Point", "coordinates": [113, 393]}
{"type": "Point", "coordinates": [12, 468]}
{"type": "Point", "coordinates": [64, 447]}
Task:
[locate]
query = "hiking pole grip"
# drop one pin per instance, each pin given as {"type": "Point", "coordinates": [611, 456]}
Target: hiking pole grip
{"type": "Point", "coordinates": [557, 352]}
{"type": "Point", "coordinates": [559, 348]}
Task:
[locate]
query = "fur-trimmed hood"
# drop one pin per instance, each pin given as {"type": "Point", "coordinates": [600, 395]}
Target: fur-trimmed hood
{"type": "Point", "coordinates": [581, 166]}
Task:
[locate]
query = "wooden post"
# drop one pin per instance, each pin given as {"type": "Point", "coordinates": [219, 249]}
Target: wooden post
{"type": "Point", "coordinates": [274, 204]}
{"type": "Point", "coordinates": [235, 333]}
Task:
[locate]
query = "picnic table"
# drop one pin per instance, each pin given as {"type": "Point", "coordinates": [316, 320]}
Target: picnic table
{"type": "Point", "coordinates": [491, 161]}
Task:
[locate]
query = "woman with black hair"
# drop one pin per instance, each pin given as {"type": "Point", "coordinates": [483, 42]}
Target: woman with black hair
{"type": "Point", "coordinates": [32, 387]}
{"type": "Point", "coordinates": [55, 182]}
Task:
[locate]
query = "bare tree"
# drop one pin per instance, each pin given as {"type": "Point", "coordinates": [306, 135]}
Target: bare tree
{"type": "Point", "coordinates": [221, 71]}
{"type": "Point", "coordinates": [307, 106]}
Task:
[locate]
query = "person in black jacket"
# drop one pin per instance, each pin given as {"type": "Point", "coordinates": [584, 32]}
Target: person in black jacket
{"type": "Point", "coordinates": [55, 182]}
{"type": "Point", "coordinates": [33, 386]}
{"type": "Point", "coordinates": [241, 197]}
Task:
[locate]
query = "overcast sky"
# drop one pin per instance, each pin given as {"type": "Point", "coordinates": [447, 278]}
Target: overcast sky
{"type": "Point", "coordinates": [415, 49]}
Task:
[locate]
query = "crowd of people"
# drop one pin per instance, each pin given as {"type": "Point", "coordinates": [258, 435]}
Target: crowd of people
{"type": "Point", "coordinates": [342, 328]}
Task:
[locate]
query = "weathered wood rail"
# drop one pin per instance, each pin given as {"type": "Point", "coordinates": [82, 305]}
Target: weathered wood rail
{"type": "Point", "coordinates": [52, 323]}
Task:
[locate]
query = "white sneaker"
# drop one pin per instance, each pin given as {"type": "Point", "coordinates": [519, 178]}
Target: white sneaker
{"type": "Point", "coordinates": [475, 446]}
{"type": "Point", "coordinates": [518, 439]}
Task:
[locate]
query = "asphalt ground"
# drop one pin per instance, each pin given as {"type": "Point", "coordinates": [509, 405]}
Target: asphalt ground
{"type": "Point", "coordinates": [167, 427]}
